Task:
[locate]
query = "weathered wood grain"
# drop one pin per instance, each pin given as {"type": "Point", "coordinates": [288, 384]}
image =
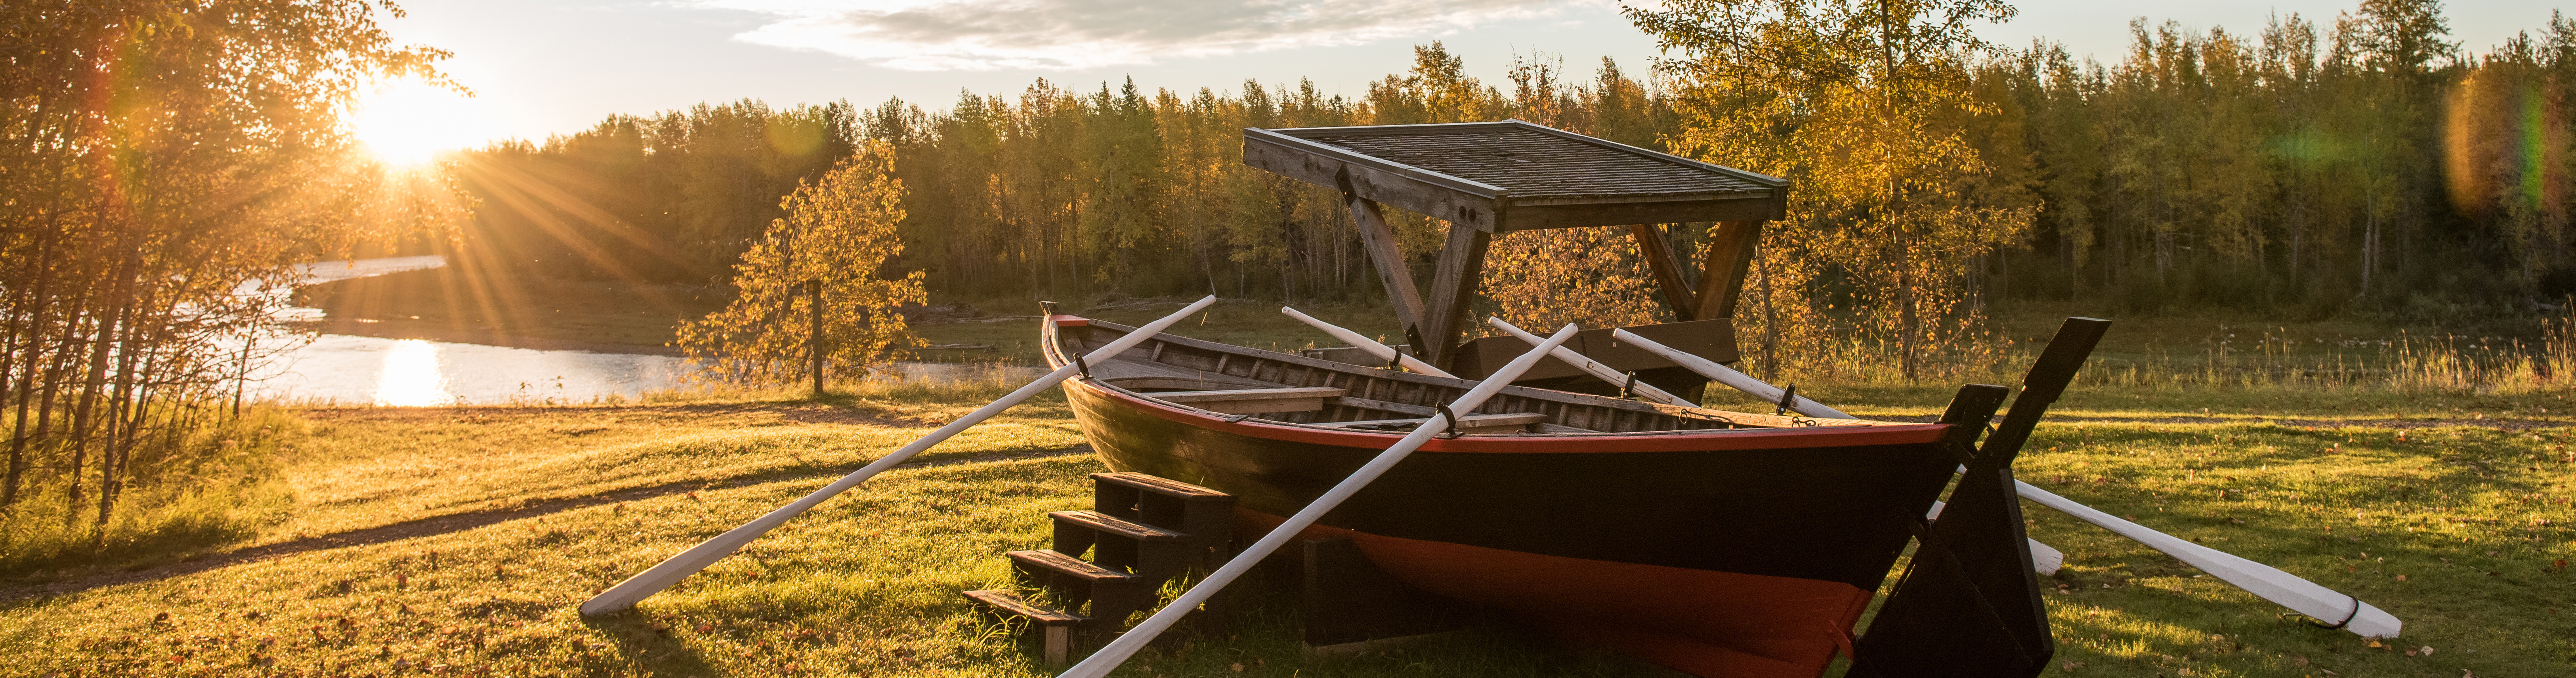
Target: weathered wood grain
{"type": "Point", "coordinates": [1730, 254]}
{"type": "Point", "coordinates": [1658, 250]}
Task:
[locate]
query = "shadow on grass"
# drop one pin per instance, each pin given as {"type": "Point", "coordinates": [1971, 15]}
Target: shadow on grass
{"type": "Point", "coordinates": [451, 523]}
{"type": "Point", "coordinates": [639, 641]}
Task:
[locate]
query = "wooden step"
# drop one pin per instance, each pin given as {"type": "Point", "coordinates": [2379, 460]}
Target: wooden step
{"type": "Point", "coordinates": [1059, 564]}
{"type": "Point", "coordinates": [1514, 422]}
{"type": "Point", "coordinates": [1056, 625]}
{"type": "Point", "coordinates": [1254, 400]}
{"type": "Point", "coordinates": [1159, 485]}
{"type": "Point", "coordinates": [1107, 525]}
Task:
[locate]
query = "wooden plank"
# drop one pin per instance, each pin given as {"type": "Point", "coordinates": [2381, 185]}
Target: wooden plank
{"type": "Point", "coordinates": [1544, 213]}
{"type": "Point", "coordinates": [1453, 286]}
{"type": "Point", "coordinates": [1385, 406]}
{"type": "Point", "coordinates": [1378, 240]}
{"type": "Point", "coordinates": [1254, 400]}
{"type": "Point", "coordinates": [1730, 254]}
{"type": "Point", "coordinates": [1658, 250]}
{"type": "Point", "coordinates": [1249, 394]}
{"type": "Point", "coordinates": [1467, 424]}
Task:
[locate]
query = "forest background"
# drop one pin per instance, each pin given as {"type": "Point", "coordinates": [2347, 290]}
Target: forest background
{"type": "Point", "coordinates": [2360, 166]}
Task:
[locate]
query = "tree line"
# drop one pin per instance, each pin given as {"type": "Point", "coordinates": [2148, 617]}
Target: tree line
{"type": "Point", "coordinates": [2313, 166]}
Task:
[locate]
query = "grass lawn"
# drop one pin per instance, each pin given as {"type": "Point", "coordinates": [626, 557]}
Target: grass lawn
{"type": "Point", "coordinates": [457, 541]}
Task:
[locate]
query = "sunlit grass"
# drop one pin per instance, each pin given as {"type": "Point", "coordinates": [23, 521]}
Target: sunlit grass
{"type": "Point", "coordinates": [2349, 487]}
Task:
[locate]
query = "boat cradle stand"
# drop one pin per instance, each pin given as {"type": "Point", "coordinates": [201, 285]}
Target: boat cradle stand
{"type": "Point", "coordinates": [1141, 532]}
{"type": "Point", "coordinates": [1144, 530]}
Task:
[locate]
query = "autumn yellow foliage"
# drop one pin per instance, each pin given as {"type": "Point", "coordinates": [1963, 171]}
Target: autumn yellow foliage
{"type": "Point", "coordinates": [1861, 106]}
{"type": "Point", "coordinates": [840, 232]}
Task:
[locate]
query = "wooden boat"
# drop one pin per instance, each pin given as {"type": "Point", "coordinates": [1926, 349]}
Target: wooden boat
{"type": "Point", "coordinates": [1718, 543]}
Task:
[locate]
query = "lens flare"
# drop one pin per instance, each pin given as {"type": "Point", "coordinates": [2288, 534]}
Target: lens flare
{"type": "Point", "coordinates": [408, 122]}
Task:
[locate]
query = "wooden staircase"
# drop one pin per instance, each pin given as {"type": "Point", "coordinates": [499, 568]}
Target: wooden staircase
{"type": "Point", "coordinates": [1141, 532]}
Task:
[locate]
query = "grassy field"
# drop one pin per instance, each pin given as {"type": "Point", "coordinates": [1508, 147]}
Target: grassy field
{"type": "Point", "coordinates": [457, 541]}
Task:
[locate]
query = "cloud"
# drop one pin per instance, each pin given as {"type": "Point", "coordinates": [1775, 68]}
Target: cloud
{"type": "Point", "coordinates": [938, 35]}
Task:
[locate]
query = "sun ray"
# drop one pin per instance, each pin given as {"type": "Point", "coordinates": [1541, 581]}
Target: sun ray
{"type": "Point", "coordinates": [409, 122]}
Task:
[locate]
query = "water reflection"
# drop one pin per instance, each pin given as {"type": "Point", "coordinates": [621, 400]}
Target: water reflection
{"type": "Point", "coordinates": [411, 377]}
{"type": "Point", "coordinates": [334, 368]}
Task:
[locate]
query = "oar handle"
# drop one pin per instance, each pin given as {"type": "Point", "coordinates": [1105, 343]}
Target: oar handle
{"type": "Point", "coordinates": [1382, 351]}
{"type": "Point", "coordinates": [670, 571]}
{"type": "Point", "coordinates": [1117, 652]}
{"type": "Point", "coordinates": [1590, 366]}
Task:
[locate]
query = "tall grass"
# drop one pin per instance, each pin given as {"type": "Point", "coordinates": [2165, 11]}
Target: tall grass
{"type": "Point", "coordinates": [188, 491]}
{"type": "Point", "coordinates": [2256, 358]}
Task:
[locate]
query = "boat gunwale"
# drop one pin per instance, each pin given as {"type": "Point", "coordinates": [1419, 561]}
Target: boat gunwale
{"type": "Point", "coordinates": [1680, 440]}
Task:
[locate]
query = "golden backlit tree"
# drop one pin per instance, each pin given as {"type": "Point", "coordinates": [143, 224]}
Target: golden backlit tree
{"type": "Point", "coordinates": [1859, 103]}
{"type": "Point", "coordinates": [840, 232]}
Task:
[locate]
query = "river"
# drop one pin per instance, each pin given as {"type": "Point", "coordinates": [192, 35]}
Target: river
{"type": "Point", "coordinates": [353, 370]}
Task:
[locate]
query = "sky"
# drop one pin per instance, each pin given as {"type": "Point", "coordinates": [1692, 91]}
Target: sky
{"type": "Point", "coordinates": [544, 67]}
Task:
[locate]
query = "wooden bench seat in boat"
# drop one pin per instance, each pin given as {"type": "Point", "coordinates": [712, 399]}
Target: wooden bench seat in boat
{"type": "Point", "coordinates": [1254, 400]}
{"type": "Point", "coordinates": [1514, 422]}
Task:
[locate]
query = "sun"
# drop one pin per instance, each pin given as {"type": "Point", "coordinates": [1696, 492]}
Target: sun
{"type": "Point", "coordinates": [408, 122]}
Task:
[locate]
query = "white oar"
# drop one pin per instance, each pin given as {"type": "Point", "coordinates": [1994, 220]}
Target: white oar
{"type": "Point", "coordinates": [2265, 581]}
{"type": "Point", "coordinates": [2300, 595]}
{"type": "Point", "coordinates": [1728, 376]}
{"type": "Point", "coordinates": [1382, 351]}
{"type": "Point", "coordinates": [626, 593]}
{"type": "Point", "coordinates": [1593, 367]}
{"type": "Point", "coordinates": [1117, 652]}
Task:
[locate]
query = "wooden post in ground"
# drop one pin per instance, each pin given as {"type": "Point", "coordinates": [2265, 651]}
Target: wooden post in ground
{"type": "Point", "coordinates": [814, 336]}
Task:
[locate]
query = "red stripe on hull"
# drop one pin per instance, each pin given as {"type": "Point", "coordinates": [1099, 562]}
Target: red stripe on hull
{"type": "Point", "coordinates": [1703, 622]}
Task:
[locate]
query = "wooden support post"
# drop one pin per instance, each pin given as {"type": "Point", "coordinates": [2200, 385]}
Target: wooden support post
{"type": "Point", "coordinates": [1379, 240]}
{"type": "Point", "coordinates": [1658, 250]}
{"type": "Point", "coordinates": [1059, 644]}
{"type": "Point", "coordinates": [814, 336]}
{"type": "Point", "coordinates": [1462, 265]}
{"type": "Point", "coordinates": [1351, 606]}
{"type": "Point", "coordinates": [1721, 280]}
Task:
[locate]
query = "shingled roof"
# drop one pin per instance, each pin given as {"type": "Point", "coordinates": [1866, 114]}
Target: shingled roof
{"type": "Point", "coordinates": [1514, 175]}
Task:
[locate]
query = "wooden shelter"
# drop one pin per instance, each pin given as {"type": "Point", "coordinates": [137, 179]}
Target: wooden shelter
{"type": "Point", "coordinates": [1486, 178]}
